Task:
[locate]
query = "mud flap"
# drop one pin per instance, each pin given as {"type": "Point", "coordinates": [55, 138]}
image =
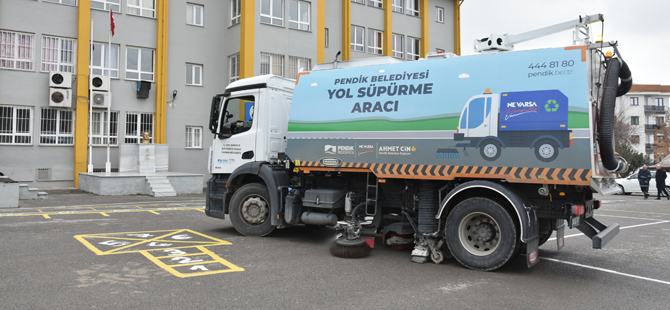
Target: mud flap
{"type": "Point", "coordinates": [532, 255]}
{"type": "Point", "coordinates": [560, 234]}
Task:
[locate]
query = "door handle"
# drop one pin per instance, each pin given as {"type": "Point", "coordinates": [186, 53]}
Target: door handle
{"type": "Point", "coordinates": [248, 155]}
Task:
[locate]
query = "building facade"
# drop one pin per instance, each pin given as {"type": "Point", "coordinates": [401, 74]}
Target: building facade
{"type": "Point", "coordinates": [167, 59]}
{"type": "Point", "coordinates": [645, 108]}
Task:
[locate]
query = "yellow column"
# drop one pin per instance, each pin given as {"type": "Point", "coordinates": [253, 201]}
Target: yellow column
{"type": "Point", "coordinates": [424, 10]}
{"type": "Point", "coordinates": [388, 28]}
{"type": "Point", "coordinates": [248, 11]}
{"type": "Point", "coordinates": [346, 30]}
{"type": "Point", "coordinates": [457, 26]}
{"type": "Point", "coordinates": [162, 18]}
{"type": "Point", "coordinates": [81, 102]}
{"type": "Point", "coordinates": [320, 31]}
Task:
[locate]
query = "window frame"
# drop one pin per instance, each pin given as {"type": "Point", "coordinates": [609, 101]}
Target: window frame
{"type": "Point", "coordinates": [354, 38]}
{"type": "Point", "coordinates": [60, 65]}
{"type": "Point", "coordinates": [358, 1]}
{"type": "Point", "coordinates": [634, 101]}
{"type": "Point", "coordinates": [412, 8]}
{"type": "Point", "coordinates": [192, 136]}
{"type": "Point", "coordinates": [294, 66]}
{"type": "Point", "coordinates": [194, 14]}
{"type": "Point", "coordinates": [193, 74]}
{"type": "Point", "coordinates": [18, 63]}
{"type": "Point", "coordinates": [271, 16]}
{"type": "Point", "coordinates": [58, 134]}
{"type": "Point", "coordinates": [376, 3]}
{"type": "Point", "coordinates": [99, 128]}
{"type": "Point", "coordinates": [14, 134]}
{"type": "Point", "coordinates": [439, 14]}
{"type": "Point", "coordinates": [375, 44]}
{"type": "Point", "coordinates": [139, 64]}
{"type": "Point", "coordinates": [141, 8]}
{"type": "Point", "coordinates": [635, 120]}
{"type": "Point", "coordinates": [398, 6]}
{"type": "Point", "coordinates": [233, 75]}
{"type": "Point", "coordinates": [398, 54]}
{"type": "Point", "coordinates": [658, 101]}
{"type": "Point", "coordinates": [106, 4]}
{"type": "Point", "coordinates": [61, 2]}
{"type": "Point", "coordinates": [103, 60]}
{"type": "Point", "coordinates": [298, 22]}
{"type": "Point", "coordinates": [415, 55]}
{"type": "Point", "coordinates": [272, 59]}
{"type": "Point", "coordinates": [235, 15]}
{"type": "Point", "coordinates": [128, 138]}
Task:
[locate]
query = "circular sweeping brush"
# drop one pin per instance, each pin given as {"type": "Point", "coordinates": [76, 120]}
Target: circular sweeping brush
{"type": "Point", "coordinates": [350, 248]}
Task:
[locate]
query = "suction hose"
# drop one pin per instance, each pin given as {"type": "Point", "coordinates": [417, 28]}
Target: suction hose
{"type": "Point", "coordinates": [616, 69]}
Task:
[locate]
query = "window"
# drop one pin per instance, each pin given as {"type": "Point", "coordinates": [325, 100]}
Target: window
{"type": "Point", "coordinates": [106, 4]}
{"type": "Point", "coordinates": [71, 2]}
{"type": "Point", "coordinates": [232, 120]}
{"type": "Point", "coordinates": [397, 6]}
{"type": "Point", "coordinates": [439, 14]}
{"type": "Point", "coordinates": [100, 62]}
{"type": "Point", "coordinates": [358, 1]}
{"type": "Point", "coordinates": [142, 7]}
{"type": "Point", "coordinates": [16, 50]}
{"type": "Point", "coordinates": [635, 120]}
{"type": "Point", "coordinates": [235, 12]}
{"type": "Point", "coordinates": [375, 41]}
{"type": "Point", "coordinates": [398, 50]}
{"type": "Point", "coordinates": [326, 37]}
{"type": "Point", "coordinates": [234, 68]}
{"type": "Point", "coordinates": [16, 125]}
{"type": "Point", "coordinates": [57, 127]}
{"type": "Point", "coordinates": [660, 120]}
{"type": "Point", "coordinates": [139, 64]}
{"type": "Point", "coordinates": [194, 14]}
{"type": "Point", "coordinates": [58, 54]}
{"type": "Point", "coordinates": [634, 101]}
{"type": "Point", "coordinates": [298, 15]}
{"type": "Point", "coordinates": [635, 139]}
{"type": "Point", "coordinates": [99, 134]}
{"type": "Point", "coordinates": [193, 137]}
{"type": "Point", "coordinates": [297, 65]}
{"type": "Point", "coordinates": [375, 3]}
{"type": "Point", "coordinates": [413, 48]}
{"type": "Point", "coordinates": [650, 139]}
{"type": "Point", "coordinates": [136, 124]}
{"type": "Point", "coordinates": [413, 7]}
{"type": "Point", "coordinates": [193, 74]}
{"type": "Point", "coordinates": [357, 39]}
{"type": "Point", "coordinates": [659, 102]}
{"type": "Point", "coordinates": [272, 64]}
{"type": "Point", "coordinates": [272, 12]}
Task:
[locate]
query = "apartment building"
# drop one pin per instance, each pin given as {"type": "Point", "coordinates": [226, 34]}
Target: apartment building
{"type": "Point", "coordinates": [644, 107]}
{"type": "Point", "coordinates": [165, 62]}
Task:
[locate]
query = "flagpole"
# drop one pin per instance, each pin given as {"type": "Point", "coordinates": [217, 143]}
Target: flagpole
{"type": "Point", "coordinates": [108, 165]}
{"type": "Point", "coordinates": [90, 107]}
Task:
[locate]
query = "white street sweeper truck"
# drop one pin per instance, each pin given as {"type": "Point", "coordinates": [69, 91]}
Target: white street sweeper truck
{"type": "Point", "coordinates": [480, 158]}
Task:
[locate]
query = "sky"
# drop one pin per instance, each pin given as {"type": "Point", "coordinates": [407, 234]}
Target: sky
{"type": "Point", "coordinates": [641, 27]}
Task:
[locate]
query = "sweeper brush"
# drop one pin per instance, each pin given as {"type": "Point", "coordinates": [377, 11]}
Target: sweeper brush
{"type": "Point", "coordinates": [346, 248]}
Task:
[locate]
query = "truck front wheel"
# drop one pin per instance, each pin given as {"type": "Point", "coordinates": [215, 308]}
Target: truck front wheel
{"type": "Point", "coordinates": [546, 150]}
{"type": "Point", "coordinates": [481, 235]}
{"type": "Point", "coordinates": [490, 150]}
{"type": "Point", "coordinates": [250, 210]}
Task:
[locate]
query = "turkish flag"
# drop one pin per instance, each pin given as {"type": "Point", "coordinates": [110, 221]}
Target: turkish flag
{"type": "Point", "coordinates": [111, 18]}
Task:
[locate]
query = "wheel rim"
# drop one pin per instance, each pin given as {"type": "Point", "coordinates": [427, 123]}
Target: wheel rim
{"type": "Point", "coordinates": [490, 150]}
{"type": "Point", "coordinates": [254, 210]}
{"type": "Point", "coordinates": [546, 150]}
{"type": "Point", "coordinates": [479, 234]}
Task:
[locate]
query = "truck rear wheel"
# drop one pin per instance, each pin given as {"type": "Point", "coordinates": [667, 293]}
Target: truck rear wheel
{"type": "Point", "coordinates": [481, 235]}
{"type": "Point", "coordinates": [250, 210]}
{"type": "Point", "coordinates": [490, 150]}
{"type": "Point", "coordinates": [546, 150]}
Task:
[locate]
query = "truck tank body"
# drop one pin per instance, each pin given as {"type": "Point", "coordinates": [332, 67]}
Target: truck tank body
{"type": "Point", "coordinates": [399, 120]}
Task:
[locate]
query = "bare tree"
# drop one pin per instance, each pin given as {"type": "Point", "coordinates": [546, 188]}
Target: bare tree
{"type": "Point", "coordinates": [662, 145]}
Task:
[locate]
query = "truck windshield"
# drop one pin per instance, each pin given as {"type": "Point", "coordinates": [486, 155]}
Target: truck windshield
{"type": "Point", "coordinates": [237, 115]}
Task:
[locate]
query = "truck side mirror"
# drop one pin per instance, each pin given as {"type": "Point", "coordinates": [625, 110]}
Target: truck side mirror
{"type": "Point", "coordinates": [214, 113]}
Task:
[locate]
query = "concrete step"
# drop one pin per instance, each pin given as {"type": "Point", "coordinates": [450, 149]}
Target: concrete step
{"type": "Point", "coordinates": [166, 181]}
{"type": "Point", "coordinates": [26, 192]}
{"type": "Point", "coordinates": [42, 195]}
{"type": "Point", "coordinates": [155, 186]}
{"type": "Point", "coordinates": [163, 190]}
{"type": "Point", "coordinates": [173, 194]}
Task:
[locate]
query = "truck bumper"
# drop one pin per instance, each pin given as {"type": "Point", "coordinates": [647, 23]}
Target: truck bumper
{"type": "Point", "coordinates": [598, 232]}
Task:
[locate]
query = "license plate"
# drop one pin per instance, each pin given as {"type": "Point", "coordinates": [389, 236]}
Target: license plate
{"type": "Point", "coordinates": [574, 222]}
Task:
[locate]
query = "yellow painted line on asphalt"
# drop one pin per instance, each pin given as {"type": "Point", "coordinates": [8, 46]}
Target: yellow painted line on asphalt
{"type": "Point", "coordinates": [641, 212]}
{"type": "Point", "coordinates": [154, 212]}
{"type": "Point", "coordinates": [195, 266]}
{"type": "Point", "coordinates": [103, 213]}
{"type": "Point", "coordinates": [46, 216]}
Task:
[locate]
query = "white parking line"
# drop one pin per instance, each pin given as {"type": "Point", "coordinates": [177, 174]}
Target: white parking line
{"type": "Point", "coordinates": [633, 226]}
{"type": "Point", "coordinates": [605, 270]}
{"type": "Point", "coordinates": [628, 217]}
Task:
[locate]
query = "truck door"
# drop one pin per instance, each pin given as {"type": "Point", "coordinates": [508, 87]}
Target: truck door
{"type": "Point", "coordinates": [476, 120]}
{"type": "Point", "coordinates": [235, 141]}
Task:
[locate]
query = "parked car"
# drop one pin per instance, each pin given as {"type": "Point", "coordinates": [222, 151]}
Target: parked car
{"type": "Point", "coordinates": [630, 184]}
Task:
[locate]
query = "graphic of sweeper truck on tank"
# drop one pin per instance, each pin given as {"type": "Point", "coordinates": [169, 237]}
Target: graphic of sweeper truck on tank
{"type": "Point", "coordinates": [533, 119]}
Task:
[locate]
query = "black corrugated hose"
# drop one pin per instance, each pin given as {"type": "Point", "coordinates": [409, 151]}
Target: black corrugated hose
{"type": "Point", "coordinates": [616, 69]}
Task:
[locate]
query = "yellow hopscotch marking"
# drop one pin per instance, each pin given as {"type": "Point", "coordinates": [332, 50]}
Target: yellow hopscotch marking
{"type": "Point", "coordinates": [655, 213]}
{"type": "Point", "coordinates": [154, 212]}
{"type": "Point", "coordinates": [197, 268]}
{"type": "Point", "coordinates": [104, 214]}
{"type": "Point", "coordinates": [46, 216]}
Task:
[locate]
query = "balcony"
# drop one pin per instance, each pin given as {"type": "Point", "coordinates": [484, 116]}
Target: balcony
{"type": "Point", "coordinates": [650, 146]}
{"type": "Point", "coordinates": [654, 109]}
{"type": "Point", "coordinates": [651, 128]}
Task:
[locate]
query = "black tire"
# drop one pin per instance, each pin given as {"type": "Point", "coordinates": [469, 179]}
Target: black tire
{"type": "Point", "coordinates": [546, 150]}
{"type": "Point", "coordinates": [493, 223]}
{"type": "Point", "coordinates": [623, 190]}
{"type": "Point", "coordinates": [250, 210]}
{"type": "Point", "coordinates": [544, 238]}
{"type": "Point", "coordinates": [490, 149]}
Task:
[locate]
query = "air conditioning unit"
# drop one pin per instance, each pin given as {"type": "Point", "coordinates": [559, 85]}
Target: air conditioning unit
{"type": "Point", "coordinates": [60, 79]}
{"type": "Point", "coordinates": [60, 97]}
{"type": "Point", "coordinates": [99, 83]}
{"type": "Point", "coordinates": [100, 99]}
